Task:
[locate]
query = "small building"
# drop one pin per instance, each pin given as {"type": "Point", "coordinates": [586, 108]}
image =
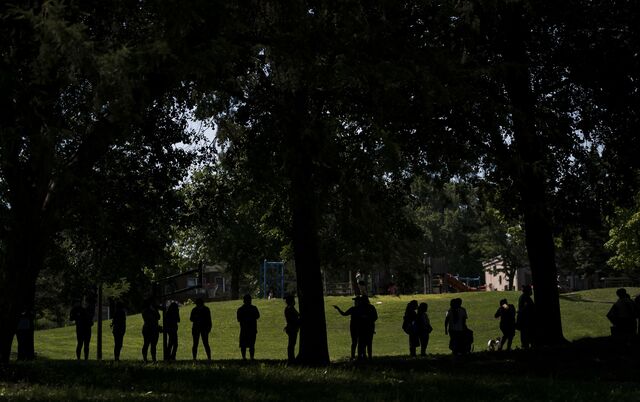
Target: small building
{"type": "Point", "coordinates": [215, 285]}
{"type": "Point", "coordinates": [496, 279]}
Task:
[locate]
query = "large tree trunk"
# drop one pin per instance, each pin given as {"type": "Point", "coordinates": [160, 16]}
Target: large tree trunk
{"type": "Point", "coordinates": [530, 179]}
{"type": "Point", "coordinates": [25, 248]}
{"type": "Point", "coordinates": [304, 198]}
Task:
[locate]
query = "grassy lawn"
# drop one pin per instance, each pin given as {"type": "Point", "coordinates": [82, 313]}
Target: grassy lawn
{"type": "Point", "coordinates": [583, 316]}
{"type": "Point", "coordinates": [589, 370]}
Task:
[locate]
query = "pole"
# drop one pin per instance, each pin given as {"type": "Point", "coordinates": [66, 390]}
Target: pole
{"type": "Point", "coordinates": [424, 273]}
{"type": "Point", "coordinates": [429, 274]}
{"type": "Point", "coordinates": [99, 341]}
{"type": "Point", "coordinates": [165, 355]}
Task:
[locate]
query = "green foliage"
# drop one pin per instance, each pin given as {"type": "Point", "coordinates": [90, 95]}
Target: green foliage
{"type": "Point", "coordinates": [449, 216]}
{"type": "Point", "coordinates": [624, 241]}
{"type": "Point", "coordinates": [498, 236]}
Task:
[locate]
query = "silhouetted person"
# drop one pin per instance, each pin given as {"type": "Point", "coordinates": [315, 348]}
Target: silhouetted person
{"type": "Point", "coordinates": [409, 326]}
{"type": "Point", "coordinates": [248, 315]}
{"type": "Point", "coordinates": [455, 325]}
{"type": "Point", "coordinates": [367, 317]}
{"type": "Point", "coordinates": [201, 319]}
{"type": "Point", "coordinates": [83, 318]}
{"type": "Point", "coordinates": [623, 315]}
{"type": "Point", "coordinates": [353, 324]}
{"type": "Point", "coordinates": [636, 301]}
{"type": "Point", "coordinates": [118, 328]}
{"type": "Point", "coordinates": [526, 319]}
{"type": "Point", "coordinates": [423, 328]}
{"type": "Point", "coordinates": [24, 335]}
{"type": "Point", "coordinates": [293, 325]}
{"type": "Point", "coordinates": [150, 329]}
{"type": "Point", "coordinates": [507, 314]}
{"type": "Point", "coordinates": [171, 320]}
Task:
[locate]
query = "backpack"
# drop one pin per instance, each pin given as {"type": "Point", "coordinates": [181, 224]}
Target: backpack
{"type": "Point", "coordinates": [407, 326]}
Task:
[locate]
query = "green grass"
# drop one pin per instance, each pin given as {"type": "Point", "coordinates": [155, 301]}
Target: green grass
{"type": "Point", "coordinates": [545, 375]}
{"type": "Point", "coordinates": [595, 369]}
{"type": "Point", "coordinates": [583, 316]}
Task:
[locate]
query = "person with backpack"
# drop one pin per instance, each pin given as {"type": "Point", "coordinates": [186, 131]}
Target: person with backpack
{"type": "Point", "coordinates": [507, 314]}
{"type": "Point", "coordinates": [409, 326]}
{"type": "Point", "coordinates": [455, 325]}
{"type": "Point", "coordinates": [150, 329]}
{"type": "Point", "coordinates": [623, 315]}
{"type": "Point", "coordinates": [423, 328]}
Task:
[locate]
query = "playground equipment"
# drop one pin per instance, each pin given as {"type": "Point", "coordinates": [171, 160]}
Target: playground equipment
{"type": "Point", "coordinates": [272, 279]}
{"type": "Point", "coordinates": [461, 284]}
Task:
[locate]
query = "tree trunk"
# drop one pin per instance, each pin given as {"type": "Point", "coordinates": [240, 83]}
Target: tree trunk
{"type": "Point", "coordinates": [24, 260]}
{"type": "Point", "coordinates": [314, 349]}
{"type": "Point", "coordinates": [302, 153]}
{"type": "Point", "coordinates": [530, 179]}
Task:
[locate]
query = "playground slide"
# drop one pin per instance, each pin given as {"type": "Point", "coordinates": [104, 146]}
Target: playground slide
{"type": "Point", "coordinates": [458, 284]}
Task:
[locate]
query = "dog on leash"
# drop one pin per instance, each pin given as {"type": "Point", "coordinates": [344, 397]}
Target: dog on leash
{"type": "Point", "coordinates": [493, 344]}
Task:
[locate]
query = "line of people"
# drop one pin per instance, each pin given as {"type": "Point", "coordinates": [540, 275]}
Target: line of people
{"type": "Point", "coordinates": [247, 316]}
{"type": "Point", "coordinates": [417, 325]}
{"type": "Point", "coordinates": [624, 316]}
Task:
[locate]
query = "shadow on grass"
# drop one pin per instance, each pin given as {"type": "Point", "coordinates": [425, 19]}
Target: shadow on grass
{"type": "Point", "coordinates": [590, 369]}
{"type": "Point", "coordinates": [573, 297]}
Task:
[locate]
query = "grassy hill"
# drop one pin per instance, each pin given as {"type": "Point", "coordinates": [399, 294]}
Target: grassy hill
{"type": "Point", "coordinates": [583, 316]}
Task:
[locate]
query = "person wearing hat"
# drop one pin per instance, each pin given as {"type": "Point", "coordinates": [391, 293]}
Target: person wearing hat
{"type": "Point", "coordinates": [353, 324]}
{"type": "Point", "coordinates": [248, 315]}
{"type": "Point", "coordinates": [367, 317]}
{"type": "Point", "coordinates": [623, 315]}
{"type": "Point", "coordinates": [507, 314]}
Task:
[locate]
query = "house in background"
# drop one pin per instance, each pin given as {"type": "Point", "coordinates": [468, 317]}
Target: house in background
{"type": "Point", "coordinates": [496, 279]}
{"type": "Point", "coordinates": [215, 285]}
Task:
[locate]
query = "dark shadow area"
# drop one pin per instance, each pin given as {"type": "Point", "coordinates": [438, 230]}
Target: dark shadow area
{"type": "Point", "coordinates": [579, 298]}
{"type": "Point", "coordinates": [589, 369]}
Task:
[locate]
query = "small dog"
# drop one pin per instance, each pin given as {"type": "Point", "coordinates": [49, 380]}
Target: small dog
{"type": "Point", "coordinates": [493, 344]}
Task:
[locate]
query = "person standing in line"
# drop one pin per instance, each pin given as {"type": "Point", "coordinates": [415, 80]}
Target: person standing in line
{"type": "Point", "coordinates": [455, 325]}
{"type": "Point", "coordinates": [118, 328]}
{"type": "Point", "coordinates": [423, 328]}
{"type": "Point", "coordinates": [367, 317]}
{"type": "Point", "coordinates": [353, 323]}
{"type": "Point", "coordinates": [507, 314]}
{"type": "Point", "coordinates": [526, 317]}
{"type": "Point", "coordinates": [171, 320]}
{"type": "Point", "coordinates": [150, 329]}
{"type": "Point", "coordinates": [201, 319]}
{"type": "Point", "coordinates": [248, 316]}
{"type": "Point", "coordinates": [623, 315]}
{"type": "Point", "coordinates": [409, 326]}
{"type": "Point", "coordinates": [24, 335]}
{"type": "Point", "coordinates": [292, 318]}
{"type": "Point", "coordinates": [83, 318]}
